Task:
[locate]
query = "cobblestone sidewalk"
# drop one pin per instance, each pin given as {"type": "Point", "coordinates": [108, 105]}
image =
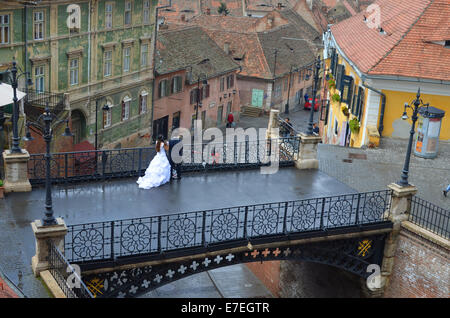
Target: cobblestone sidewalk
{"type": "Point", "coordinates": [374, 169]}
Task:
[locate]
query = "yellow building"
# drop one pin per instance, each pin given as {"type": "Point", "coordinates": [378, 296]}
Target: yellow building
{"type": "Point", "coordinates": [379, 65]}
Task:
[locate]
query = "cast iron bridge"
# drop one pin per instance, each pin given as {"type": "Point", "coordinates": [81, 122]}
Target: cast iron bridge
{"type": "Point", "coordinates": [127, 258]}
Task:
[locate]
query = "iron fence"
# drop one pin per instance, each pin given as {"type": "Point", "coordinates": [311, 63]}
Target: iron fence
{"type": "Point", "coordinates": [132, 162]}
{"type": "Point", "coordinates": [65, 275]}
{"type": "Point", "coordinates": [430, 216]}
{"type": "Point", "coordinates": [142, 236]}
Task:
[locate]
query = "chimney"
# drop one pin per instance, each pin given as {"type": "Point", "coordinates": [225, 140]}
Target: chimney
{"type": "Point", "coordinates": [279, 5]}
{"type": "Point", "coordinates": [226, 47]}
{"type": "Point", "coordinates": [183, 18]}
{"type": "Point", "coordinates": [208, 11]}
{"type": "Point", "coordinates": [269, 23]}
{"type": "Point", "coordinates": [310, 4]}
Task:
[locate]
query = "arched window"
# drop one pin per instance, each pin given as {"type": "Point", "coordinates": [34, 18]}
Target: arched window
{"type": "Point", "coordinates": [126, 107]}
{"type": "Point", "coordinates": [143, 102]}
{"type": "Point", "coordinates": [107, 116]}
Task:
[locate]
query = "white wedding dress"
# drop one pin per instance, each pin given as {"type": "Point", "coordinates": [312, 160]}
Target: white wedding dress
{"type": "Point", "coordinates": [158, 171]}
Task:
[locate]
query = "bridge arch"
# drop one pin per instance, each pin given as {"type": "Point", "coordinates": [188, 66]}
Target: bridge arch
{"type": "Point", "coordinates": [351, 254]}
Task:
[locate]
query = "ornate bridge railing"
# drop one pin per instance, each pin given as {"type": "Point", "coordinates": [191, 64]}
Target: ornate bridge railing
{"type": "Point", "coordinates": [65, 274]}
{"type": "Point", "coordinates": [181, 233]}
{"type": "Point", "coordinates": [430, 216]}
{"type": "Point", "coordinates": [132, 162]}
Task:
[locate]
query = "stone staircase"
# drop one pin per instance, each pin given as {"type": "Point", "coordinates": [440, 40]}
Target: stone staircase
{"type": "Point", "coordinates": [251, 111]}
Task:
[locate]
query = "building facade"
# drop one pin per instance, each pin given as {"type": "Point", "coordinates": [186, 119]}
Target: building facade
{"type": "Point", "coordinates": [98, 52]}
{"type": "Point", "coordinates": [191, 70]}
{"type": "Point", "coordinates": [378, 69]}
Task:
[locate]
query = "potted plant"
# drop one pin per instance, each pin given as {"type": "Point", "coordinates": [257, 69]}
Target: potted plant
{"type": "Point", "coordinates": [345, 110]}
{"type": "Point", "coordinates": [331, 83]}
{"type": "Point", "coordinates": [354, 125]}
{"type": "Point", "coordinates": [2, 189]}
{"type": "Point", "coordinates": [335, 97]}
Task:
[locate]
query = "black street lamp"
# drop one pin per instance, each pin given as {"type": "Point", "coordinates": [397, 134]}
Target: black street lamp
{"type": "Point", "coordinates": [47, 118]}
{"type": "Point", "coordinates": [415, 106]}
{"type": "Point", "coordinates": [316, 79]}
{"type": "Point", "coordinates": [104, 108]}
{"type": "Point", "coordinates": [286, 110]}
{"type": "Point", "coordinates": [15, 115]}
{"type": "Point", "coordinates": [204, 82]}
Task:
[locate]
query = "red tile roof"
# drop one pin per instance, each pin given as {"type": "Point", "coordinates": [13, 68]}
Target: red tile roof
{"type": "Point", "coordinates": [366, 47]}
{"type": "Point", "coordinates": [416, 55]}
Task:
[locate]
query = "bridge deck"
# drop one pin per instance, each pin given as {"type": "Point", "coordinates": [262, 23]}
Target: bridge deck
{"type": "Point", "coordinates": [122, 199]}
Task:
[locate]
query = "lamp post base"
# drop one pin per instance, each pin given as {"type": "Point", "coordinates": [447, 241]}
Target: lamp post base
{"type": "Point", "coordinates": [16, 171]}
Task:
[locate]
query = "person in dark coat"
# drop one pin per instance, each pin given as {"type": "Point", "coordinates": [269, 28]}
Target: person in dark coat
{"type": "Point", "coordinates": [175, 166]}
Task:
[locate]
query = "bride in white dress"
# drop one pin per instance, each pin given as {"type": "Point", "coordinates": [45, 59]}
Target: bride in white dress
{"type": "Point", "coordinates": [158, 171]}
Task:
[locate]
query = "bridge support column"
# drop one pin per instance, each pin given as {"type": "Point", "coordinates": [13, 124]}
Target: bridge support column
{"type": "Point", "coordinates": [273, 125]}
{"type": "Point", "coordinates": [400, 208]}
{"type": "Point", "coordinates": [56, 233]}
{"type": "Point", "coordinates": [16, 171]}
{"type": "Point", "coordinates": [307, 155]}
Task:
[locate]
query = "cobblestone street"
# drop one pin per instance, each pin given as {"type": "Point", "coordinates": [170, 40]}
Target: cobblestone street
{"type": "Point", "coordinates": [382, 165]}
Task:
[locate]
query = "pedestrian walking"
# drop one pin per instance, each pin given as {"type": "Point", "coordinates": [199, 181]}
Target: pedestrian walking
{"type": "Point", "coordinates": [230, 120]}
{"type": "Point", "coordinates": [447, 190]}
{"type": "Point", "coordinates": [286, 128]}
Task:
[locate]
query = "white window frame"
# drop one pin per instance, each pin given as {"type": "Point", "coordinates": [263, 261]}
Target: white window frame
{"type": "Point", "coordinates": [144, 54]}
{"type": "Point", "coordinates": [38, 25]}
{"type": "Point", "coordinates": [74, 71]}
{"type": "Point", "coordinates": [5, 29]}
{"type": "Point", "coordinates": [127, 103]}
{"type": "Point", "coordinates": [39, 78]}
{"type": "Point", "coordinates": [107, 63]}
{"type": "Point", "coordinates": [146, 12]}
{"type": "Point", "coordinates": [108, 15]}
{"type": "Point", "coordinates": [127, 10]}
{"type": "Point", "coordinates": [144, 95]}
{"type": "Point", "coordinates": [108, 116]}
{"type": "Point", "coordinates": [126, 59]}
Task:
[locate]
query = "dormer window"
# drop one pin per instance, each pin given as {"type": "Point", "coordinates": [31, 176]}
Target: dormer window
{"type": "Point", "coordinates": [447, 44]}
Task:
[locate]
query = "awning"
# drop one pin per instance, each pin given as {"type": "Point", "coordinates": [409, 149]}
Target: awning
{"type": "Point", "coordinates": [7, 93]}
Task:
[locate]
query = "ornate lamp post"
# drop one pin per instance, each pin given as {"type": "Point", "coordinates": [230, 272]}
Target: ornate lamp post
{"type": "Point", "coordinates": [204, 82]}
{"type": "Point", "coordinates": [104, 108]}
{"type": "Point", "coordinates": [286, 110]}
{"type": "Point", "coordinates": [414, 106]}
{"type": "Point", "coordinates": [15, 115]}
{"type": "Point", "coordinates": [317, 67]}
{"type": "Point", "coordinates": [44, 122]}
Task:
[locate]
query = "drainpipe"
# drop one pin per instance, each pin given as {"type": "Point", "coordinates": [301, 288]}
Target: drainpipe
{"type": "Point", "coordinates": [154, 68]}
{"type": "Point", "coordinates": [25, 62]}
{"type": "Point", "coordinates": [383, 106]}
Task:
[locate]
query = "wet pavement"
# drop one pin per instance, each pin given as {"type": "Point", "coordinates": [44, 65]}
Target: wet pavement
{"type": "Point", "coordinates": [122, 199]}
{"type": "Point", "coordinates": [235, 281]}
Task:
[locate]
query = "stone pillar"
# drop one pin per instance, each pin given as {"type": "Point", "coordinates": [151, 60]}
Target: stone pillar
{"type": "Point", "coordinates": [273, 124]}
{"type": "Point", "coordinates": [56, 233]}
{"type": "Point", "coordinates": [16, 171]}
{"type": "Point", "coordinates": [307, 156]}
{"type": "Point", "coordinates": [400, 208]}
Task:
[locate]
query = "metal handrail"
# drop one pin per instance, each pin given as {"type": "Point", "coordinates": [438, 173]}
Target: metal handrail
{"type": "Point", "coordinates": [430, 216]}
{"type": "Point", "coordinates": [172, 232]}
{"type": "Point", "coordinates": [106, 164]}
{"type": "Point", "coordinates": [62, 271]}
